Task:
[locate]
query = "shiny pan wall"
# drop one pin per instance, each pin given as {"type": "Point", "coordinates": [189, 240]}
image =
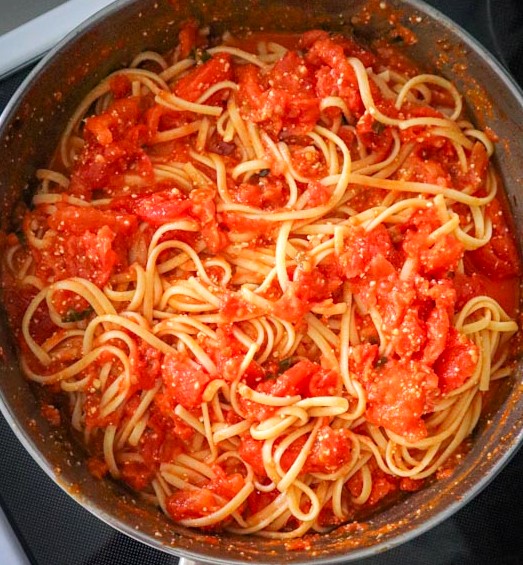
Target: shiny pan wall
{"type": "Point", "coordinates": [29, 131]}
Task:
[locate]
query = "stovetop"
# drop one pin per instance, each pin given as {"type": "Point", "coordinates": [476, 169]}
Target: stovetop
{"type": "Point", "coordinates": [55, 530]}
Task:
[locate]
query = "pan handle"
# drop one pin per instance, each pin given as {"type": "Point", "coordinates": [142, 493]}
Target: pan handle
{"type": "Point", "coordinates": [185, 561]}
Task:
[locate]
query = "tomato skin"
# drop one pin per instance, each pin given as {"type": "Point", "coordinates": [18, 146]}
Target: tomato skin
{"type": "Point", "coordinates": [287, 74]}
{"type": "Point", "coordinates": [170, 205]}
{"type": "Point", "coordinates": [228, 355]}
{"type": "Point", "coordinates": [362, 361]}
{"type": "Point", "coordinates": [115, 123]}
{"type": "Point", "coordinates": [259, 500]}
{"type": "Point", "coordinates": [374, 135]}
{"type": "Point", "coordinates": [225, 485]}
{"type": "Point", "coordinates": [476, 175]}
{"type": "Point", "coordinates": [433, 171]}
{"type": "Point", "coordinates": [202, 77]}
{"type": "Point", "coordinates": [184, 504]}
{"type": "Point", "coordinates": [84, 242]}
{"type": "Point", "coordinates": [238, 223]}
{"type": "Point", "coordinates": [411, 336]}
{"type": "Point", "coordinates": [114, 146]}
{"type": "Point", "coordinates": [335, 76]}
{"type": "Point", "coordinates": [184, 380]}
{"type": "Point", "coordinates": [293, 381]}
{"type": "Point", "coordinates": [103, 168]}
{"type": "Point", "coordinates": [187, 37]}
{"type": "Point", "coordinates": [161, 207]}
{"type": "Point", "coordinates": [308, 38]}
{"type": "Point", "coordinates": [251, 91]}
{"type": "Point", "coordinates": [317, 194]}
{"type": "Point", "coordinates": [457, 362]}
{"type": "Point", "coordinates": [250, 451]}
{"type": "Point", "coordinates": [79, 219]}
{"type": "Point", "coordinates": [120, 86]}
{"type": "Point", "coordinates": [94, 256]}
{"type": "Point", "coordinates": [290, 307]}
{"type": "Point", "coordinates": [305, 378]}
{"type": "Point", "coordinates": [325, 383]}
{"type": "Point", "coordinates": [467, 286]}
{"type": "Point", "coordinates": [438, 326]}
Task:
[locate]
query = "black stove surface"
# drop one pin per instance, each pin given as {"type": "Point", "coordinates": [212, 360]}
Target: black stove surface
{"type": "Point", "coordinates": [55, 530]}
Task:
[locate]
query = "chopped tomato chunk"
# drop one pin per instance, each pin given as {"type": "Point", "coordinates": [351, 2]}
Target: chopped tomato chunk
{"type": "Point", "coordinates": [382, 485]}
{"type": "Point", "coordinates": [284, 101]}
{"type": "Point", "coordinates": [250, 451]}
{"type": "Point", "coordinates": [361, 248]}
{"type": "Point", "coordinates": [79, 219]}
{"type": "Point", "coordinates": [330, 451]}
{"type": "Point", "coordinates": [137, 475]}
{"type": "Point", "coordinates": [184, 504]}
{"type": "Point", "coordinates": [399, 395]}
{"type": "Point", "coordinates": [457, 362]}
{"type": "Point", "coordinates": [308, 287]}
{"type": "Point", "coordinates": [259, 500]}
{"type": "Point", "coordinates": [434, 257]}
{"type": "Point", "coordinates": [184, 380]}
{"type": "Point", "coordinates": [161, 207]}
{"type": "Point", "coordinates": [89, 255]}
{"type": "Point", "coordinates": [201, 78]}
{"type": "Point", "coordinates": [304, 378]}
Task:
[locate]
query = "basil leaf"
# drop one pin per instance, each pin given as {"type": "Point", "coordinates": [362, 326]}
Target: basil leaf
{"type": "Point", "coordinates": [77, 315]}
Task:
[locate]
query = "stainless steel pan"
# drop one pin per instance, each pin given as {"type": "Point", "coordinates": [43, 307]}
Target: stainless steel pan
{"type": "Point", "coordinates": [29, 130]}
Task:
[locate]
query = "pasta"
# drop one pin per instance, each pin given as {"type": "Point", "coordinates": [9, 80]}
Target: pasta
{"type": "Point", "coordinates": [259, 277]}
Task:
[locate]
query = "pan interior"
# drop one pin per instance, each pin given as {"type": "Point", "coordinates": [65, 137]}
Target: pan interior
{"type": "Point", "coordinates": [29, 131]}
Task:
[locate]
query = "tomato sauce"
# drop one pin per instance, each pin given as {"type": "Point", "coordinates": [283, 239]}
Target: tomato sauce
{"type": "Point", "coordinates": [399, 273]}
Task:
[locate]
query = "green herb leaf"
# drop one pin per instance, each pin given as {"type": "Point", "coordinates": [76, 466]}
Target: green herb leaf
{"type": "Point", "coordinates": [77, 315]}
{"type": "Point", "coordinates": [21, 236]}
{"type": "Point", "coordinates": [286, 364]}
{"type": "Point", "coordinates": [200, 56]}
{"type": "Point", "coordinates": [264, 172]}
{"type": "Point", "coordinates": [378, 127]}
{"type": "Point", "coordinates": [380, 362]}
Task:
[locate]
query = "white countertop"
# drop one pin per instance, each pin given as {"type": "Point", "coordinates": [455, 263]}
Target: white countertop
{"type": "Point", "coordinates": [44, 29]}
{"type": "Point", "coordinates": [11, 551]}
